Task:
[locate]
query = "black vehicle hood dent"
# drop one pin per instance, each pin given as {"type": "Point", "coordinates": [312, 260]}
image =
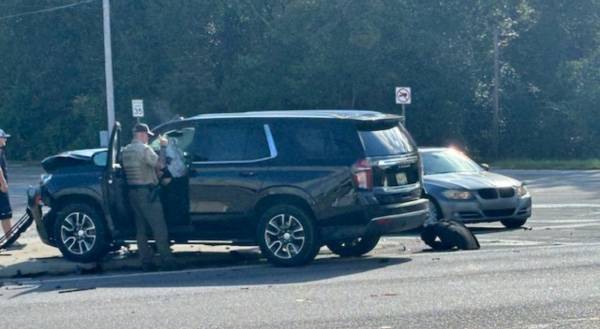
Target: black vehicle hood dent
{"type": "Point", "coordinates": [69, 159]}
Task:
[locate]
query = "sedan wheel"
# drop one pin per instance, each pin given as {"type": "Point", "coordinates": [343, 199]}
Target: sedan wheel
{"type": "Point", "coordinates": [434, 213]}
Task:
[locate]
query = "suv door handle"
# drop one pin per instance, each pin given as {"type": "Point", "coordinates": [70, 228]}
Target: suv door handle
{"type": "Point", "coordinates": [247, 173]}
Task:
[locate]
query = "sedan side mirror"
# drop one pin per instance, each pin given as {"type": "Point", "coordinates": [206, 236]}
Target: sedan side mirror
{"type": "Point", "coordinates": [485, 166]}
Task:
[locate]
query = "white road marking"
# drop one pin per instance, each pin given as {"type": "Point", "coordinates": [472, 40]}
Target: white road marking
{"type": "Point", "coordinates": [540, 228]}
{"type": "Point", "coordinates": [565, 205]}
{"type": "Point", "coordinates": [504, 242]}
{"type": "Point", "coordinates": [570, 220]}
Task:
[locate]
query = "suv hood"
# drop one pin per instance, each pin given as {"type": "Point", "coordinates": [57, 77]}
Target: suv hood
{"type": "Point", "coordinates": [69, 159]}
{"type": "Point", "coordinates": [470, 181]}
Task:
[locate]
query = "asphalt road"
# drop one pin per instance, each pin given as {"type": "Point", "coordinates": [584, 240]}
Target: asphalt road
{"type": "Point", "coordinates": [546, 276]}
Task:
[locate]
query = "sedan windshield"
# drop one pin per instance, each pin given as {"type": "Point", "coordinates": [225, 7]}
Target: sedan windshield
{"type": "Point", "coordinates": [447, 161]}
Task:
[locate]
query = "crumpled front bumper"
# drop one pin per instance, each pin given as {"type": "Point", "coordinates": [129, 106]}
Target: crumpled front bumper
{"type": "Point", "coordinates": [34, 208]}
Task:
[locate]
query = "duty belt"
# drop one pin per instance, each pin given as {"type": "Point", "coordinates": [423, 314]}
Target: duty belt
{"type": "Point", "coordinates": [141, 187]}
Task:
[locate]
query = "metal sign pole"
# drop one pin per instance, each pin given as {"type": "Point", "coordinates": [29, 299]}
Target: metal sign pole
{"type": "Point", "coordinates": [108, 67]}
{"type": "Point", "coordinates": [403, 114]}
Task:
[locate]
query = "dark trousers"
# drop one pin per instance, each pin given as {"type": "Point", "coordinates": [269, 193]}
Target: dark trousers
{"type": "Point", "coordinates": [148, 212]}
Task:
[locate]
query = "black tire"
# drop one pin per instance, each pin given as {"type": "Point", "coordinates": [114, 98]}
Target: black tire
{"type": "Point", "coordinates": [430, 237]}
{"type": "Point", "coordinates": [287, 250]}
{"type": "Point", "coordinates": [353, 247]}
{"type": "Point", "coordinates": [77, 246]}
{"type": "Point", "coordinates": [513, 223]}
{"type": "Point", "coordinates": [447, 235]}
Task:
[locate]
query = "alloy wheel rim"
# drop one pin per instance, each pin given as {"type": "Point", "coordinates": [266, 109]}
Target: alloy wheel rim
{"type": "Point", "coordinates": [78, 233]}
{"type": "Point", "coordinates": [285, 236]}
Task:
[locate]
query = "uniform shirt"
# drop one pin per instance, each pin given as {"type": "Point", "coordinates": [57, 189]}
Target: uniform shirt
{"type": "Point", "coordinates": [139, 162]}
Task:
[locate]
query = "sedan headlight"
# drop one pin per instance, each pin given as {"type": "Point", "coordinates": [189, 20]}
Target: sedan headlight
{"type": "Point", "coordinates": [522, 191]}
{"type": "Point", "coordinates": [457, 195]}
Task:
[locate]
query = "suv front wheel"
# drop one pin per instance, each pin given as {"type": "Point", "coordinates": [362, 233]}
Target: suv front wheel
{"type": "Point", "coordinates": [287, 236]}
{"type": "Point", "coordinates": [80, 233]}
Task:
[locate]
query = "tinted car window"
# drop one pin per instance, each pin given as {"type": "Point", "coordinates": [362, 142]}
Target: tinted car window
{"type": "Point", "coordinates": [317, 142]}
{"type": "Point", "coordinates": [183, 136]}
{"type": "Point", "coordinates": [385, 140]}
{"type": "Point", "coordinates": [230, 141]}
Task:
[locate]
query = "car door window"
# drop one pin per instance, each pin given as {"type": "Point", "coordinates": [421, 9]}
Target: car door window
{"type": "Point", "coordinates": [230, 141]}
{"type": "Point", "coordinates": [182, 137]}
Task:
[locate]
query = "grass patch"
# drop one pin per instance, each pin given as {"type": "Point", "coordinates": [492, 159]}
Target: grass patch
{"type": "Point", "coordinates": [583, 164]}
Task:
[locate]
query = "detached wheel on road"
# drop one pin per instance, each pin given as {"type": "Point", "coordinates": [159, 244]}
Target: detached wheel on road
{"type": "Point", "coordinates": [80, 233]}
{"type": "Point", "coordinates": [287, 236]}
{"type": "Point", "coordinates": [354, 247]}
{"type": "Point", "coordinates": [513, 223]}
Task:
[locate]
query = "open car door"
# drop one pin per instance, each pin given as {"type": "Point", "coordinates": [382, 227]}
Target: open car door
{"type": "Point", "coordinates": [114, 189]}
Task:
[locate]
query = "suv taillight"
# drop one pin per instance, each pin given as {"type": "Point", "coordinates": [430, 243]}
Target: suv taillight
{"type": "Point", "coordinates": [362, 174]}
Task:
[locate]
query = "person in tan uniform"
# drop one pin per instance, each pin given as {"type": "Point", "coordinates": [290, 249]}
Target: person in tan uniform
{"type": "Point", "coordinates": [141, 165]}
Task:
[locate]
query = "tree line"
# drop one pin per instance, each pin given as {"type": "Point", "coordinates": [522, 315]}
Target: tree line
{"type": "Point", "coordinates": [185, 57]}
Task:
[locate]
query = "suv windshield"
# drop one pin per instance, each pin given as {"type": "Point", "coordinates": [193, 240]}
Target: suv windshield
{"type": "Point", "coordinates": [385, 140]}
{"type": "Point", "coordinates": [449, 161]}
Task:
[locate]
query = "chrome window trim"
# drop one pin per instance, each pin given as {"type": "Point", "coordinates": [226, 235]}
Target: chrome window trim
{"type": "Point", "coordinates": [272, 150]}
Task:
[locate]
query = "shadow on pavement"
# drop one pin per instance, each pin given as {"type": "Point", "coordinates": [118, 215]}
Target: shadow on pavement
{"type": "Point", "coordinates": [491, 229]}
{"type": "Point", "coordinates": [321, 269]}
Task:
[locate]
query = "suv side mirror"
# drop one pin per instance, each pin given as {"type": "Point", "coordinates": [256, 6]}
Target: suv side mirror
{"type": "Point", "coordinates": [485, 166]}
{"type": "Point", "coordinates": [100, 159]}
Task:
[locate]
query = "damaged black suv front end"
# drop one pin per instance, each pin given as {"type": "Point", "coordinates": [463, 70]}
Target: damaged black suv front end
{"type": "Point", "coordinates": [69, 176]}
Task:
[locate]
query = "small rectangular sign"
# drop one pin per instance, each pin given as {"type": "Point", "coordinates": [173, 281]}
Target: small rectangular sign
{"type": "Point", "coordinates": [104, 138]}
{"type": "Point", "coordinates": [403, 95]}
{"type": "Point", "coordinates": [137, 107]}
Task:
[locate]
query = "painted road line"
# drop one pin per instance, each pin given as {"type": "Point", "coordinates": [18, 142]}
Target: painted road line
{"type": "Point", "coordinates": [504, 242]}
{"type": "Point", "coordinates": [565, 205]}
{"type": "Point", "coordinates": [541, 228]}
{"type": "Point", "coordinates": [566, 221]}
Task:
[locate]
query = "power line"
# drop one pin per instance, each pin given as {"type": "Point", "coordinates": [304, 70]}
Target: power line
{"type": "Point", "coordinates": [46, 10]}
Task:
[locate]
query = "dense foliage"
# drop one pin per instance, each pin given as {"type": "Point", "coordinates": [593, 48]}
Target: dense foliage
{"type": "Point", "coordinates": [196, 56]}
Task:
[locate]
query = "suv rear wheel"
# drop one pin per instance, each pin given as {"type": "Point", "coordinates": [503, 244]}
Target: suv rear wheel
{"type": "Point", "coordinates": [80, 233]}
{"type": "Point", "coordinates": [287, 236]}
{"type": "Point", "coordinates": [353, 247]}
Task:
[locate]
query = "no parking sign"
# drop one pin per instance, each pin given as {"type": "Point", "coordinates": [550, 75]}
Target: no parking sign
{"type": "Point", "coordinates": [403, 95]}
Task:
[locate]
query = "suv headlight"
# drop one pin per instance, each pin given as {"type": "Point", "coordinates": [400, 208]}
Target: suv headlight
{"type": "Point", "coordinates": [457, 195]}
{"type": "Point", "coordinates": [522, 190]}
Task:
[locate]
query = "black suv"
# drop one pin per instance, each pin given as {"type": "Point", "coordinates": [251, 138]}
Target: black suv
{"type": "Point", "coordinates": [289, 182]}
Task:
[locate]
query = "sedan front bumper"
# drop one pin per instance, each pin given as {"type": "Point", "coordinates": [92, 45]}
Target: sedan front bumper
{"type": "Point", "coordinates": [479, 210]}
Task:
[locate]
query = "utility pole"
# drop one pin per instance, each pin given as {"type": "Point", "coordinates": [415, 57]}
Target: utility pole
{"type": "Point", "coordinates": [496, 113]}
{"type": "Point", "coordinates": [108, 67]}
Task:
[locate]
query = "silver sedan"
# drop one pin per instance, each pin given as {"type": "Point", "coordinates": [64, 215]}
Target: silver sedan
{"type": "Point", "coordinates": [460, 189]}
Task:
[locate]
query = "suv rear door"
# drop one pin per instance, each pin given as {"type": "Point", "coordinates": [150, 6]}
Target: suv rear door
{"type": "Point", "coordinates": [230, 159]}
